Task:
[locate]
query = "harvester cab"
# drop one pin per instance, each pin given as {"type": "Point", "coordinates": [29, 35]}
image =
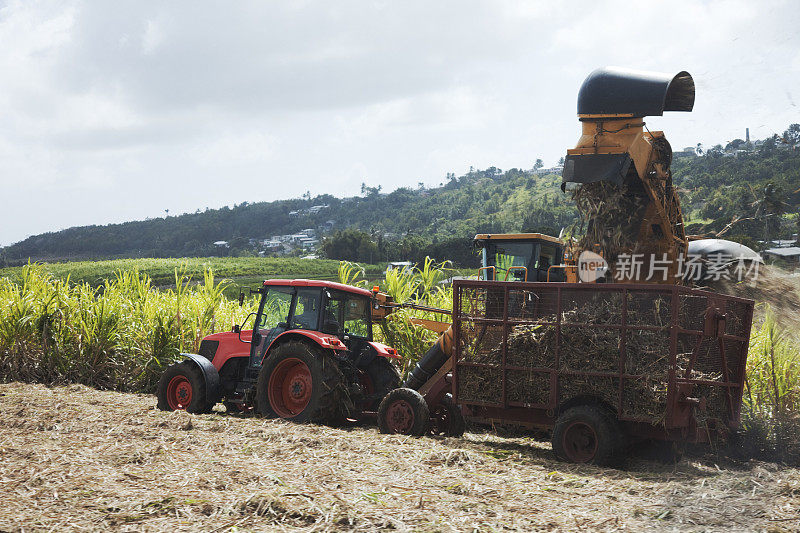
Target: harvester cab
{"type": "Point", "coordinates": [619, 171]}
{"type": "Point", "coordinates": [523, 257]}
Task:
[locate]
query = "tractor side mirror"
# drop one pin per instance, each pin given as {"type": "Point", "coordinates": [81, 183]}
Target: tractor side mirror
{"type": "Point", "coordinates": [255, 330]}
{"type": "Point", "coordinates": [241, 298]}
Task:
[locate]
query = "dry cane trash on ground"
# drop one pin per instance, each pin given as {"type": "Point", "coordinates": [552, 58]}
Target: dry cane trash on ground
{"type": "Point", "coordinates": [74, 458]}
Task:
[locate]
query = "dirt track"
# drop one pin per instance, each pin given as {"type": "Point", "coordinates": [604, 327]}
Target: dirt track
{"type": "Point", "coordinates": [76, 458]}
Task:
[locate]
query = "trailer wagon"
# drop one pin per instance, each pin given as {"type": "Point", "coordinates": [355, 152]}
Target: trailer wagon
{"type": "Point", "coordinates": [598, 363]}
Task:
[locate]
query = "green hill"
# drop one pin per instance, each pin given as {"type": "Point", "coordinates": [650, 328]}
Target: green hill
{"type": "Point", "coordinates": [759, 184]}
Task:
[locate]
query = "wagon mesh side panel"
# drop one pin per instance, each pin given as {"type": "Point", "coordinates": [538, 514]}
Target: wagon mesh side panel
{"type": "Point", "coordinates": [686, 344]}
{"type": "Point", "coordinates": [532, 346]}
{"type": "Point", "coordinates": [589, 349]}
{"type": "Point", "coordinates": [647, 352]}
{"type": "Point", "coordinates": [572, 386]}
{"type": "Point", "coordinates": [691, 311]}
{"type": "Point", "coordinates": [481, 342]}
{"type": "Point", "coordinates": [645, 399]}
{"type": "Point", "coordinates": [472, 302]}
{"type": "Point", "coordinates": [735, 353]}
{"type": "Point", "coordinates": [649, 308]}
{"type": "Point", "coordinates": [590, 307]}
{"type": "Point", "coordinates": [709, 361]}
{"type": "Point", "coordinates": [716, 405]}
{"type": "Point", "coordinates": [480, 384]}
{"type": "Point", "coordinates": [737, 313]}
{"type": "Point", "coordinates": [528, 387]}
{"type": "Point", "coordinates": [532, 305]}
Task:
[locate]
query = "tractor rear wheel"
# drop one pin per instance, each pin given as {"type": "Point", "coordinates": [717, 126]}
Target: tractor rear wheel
{"type": "Point", "coordinates": [403, 411]}
{"type": "Point", "coordinates": [301, 383]}
{"type": "Point", "coordinates": [588, 434]}
{"type": "Point", "coordinates": [379, 379]}
{"type": "Point", "coordinates": [446, 418]}
{"type": "Point", "coordinates": [182, 388]}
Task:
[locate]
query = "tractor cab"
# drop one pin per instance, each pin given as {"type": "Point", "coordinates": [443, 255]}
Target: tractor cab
{"type": "Point", "coordinates": [521, 257]}
{"type": "Point", "coordinates": [312, 308]}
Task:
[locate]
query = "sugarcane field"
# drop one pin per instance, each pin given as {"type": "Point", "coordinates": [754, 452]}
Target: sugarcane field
{"type": "Point", "coordinates": [259, 270]}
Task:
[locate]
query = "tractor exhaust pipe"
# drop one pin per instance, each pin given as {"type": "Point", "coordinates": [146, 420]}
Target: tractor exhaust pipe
{"type": "Point", "coordinates": [432, 361]}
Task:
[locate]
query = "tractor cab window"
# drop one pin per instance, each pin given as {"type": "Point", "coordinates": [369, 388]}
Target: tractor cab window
{"type": "Point", "coordinates": [306, 311]}
{"type": "Point", "coordinates": [277, 304]}
{"type": "Point", "coordinates": [348, 313]}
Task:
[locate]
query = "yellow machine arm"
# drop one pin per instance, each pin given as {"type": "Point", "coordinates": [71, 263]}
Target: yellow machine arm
{"type": "Point", "coordinates": [619, 172]}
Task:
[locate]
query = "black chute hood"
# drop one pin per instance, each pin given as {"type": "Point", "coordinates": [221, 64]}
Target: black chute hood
{"type": "Point", "coordinates": [614, 90]}
{"type": "Point", "coordinates": [595, 167]}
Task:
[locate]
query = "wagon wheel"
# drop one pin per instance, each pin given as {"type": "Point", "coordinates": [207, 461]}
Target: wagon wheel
{"type": "Point", "coordinates": [446, 419]}
{"type": "Point", "coordinates": [587, 434]}
{"type": "Point", "coordinates": [403, 411]}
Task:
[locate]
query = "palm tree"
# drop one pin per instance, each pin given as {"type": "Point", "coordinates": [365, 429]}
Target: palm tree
{"type": "Point", "coordinates": [769, 204]}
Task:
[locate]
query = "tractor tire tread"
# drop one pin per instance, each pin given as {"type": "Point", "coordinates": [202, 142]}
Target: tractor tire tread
{"type": "Point", "coordinates": [330, 407]}
{"type": "Point", "coordinates": [200, 405]}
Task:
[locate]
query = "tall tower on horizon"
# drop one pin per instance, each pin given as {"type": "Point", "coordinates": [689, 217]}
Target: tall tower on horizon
{"type": "Point", "coordinates": [747, 134]}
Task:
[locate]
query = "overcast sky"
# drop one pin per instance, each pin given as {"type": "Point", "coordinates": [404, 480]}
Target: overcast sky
{"type": "Point", "coordinates": [116, 111]}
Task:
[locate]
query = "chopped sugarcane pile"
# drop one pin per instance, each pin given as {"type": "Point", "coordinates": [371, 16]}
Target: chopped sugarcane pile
{"type": "Point", "coordinates": [612, 216]}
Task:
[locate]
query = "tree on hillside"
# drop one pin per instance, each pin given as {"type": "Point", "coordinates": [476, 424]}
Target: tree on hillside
{"type": "Point", "coordinates": [350, 245]}
{"type": "Point", "coordinates": [792, 134]}
{"type": "Point", "coordinates": [770, 206]}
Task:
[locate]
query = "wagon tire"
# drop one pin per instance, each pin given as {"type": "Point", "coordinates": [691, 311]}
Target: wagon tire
{"type": "Point", "coordinates": [404, 412]}
{"type": "Point", "coordinates": [182, 388]}
{"type": "Point", "coordinates": [588, 434]}
{"type": "Point", "coordinates": [447, 419]}
{"type": "Point", "coordinates": [302, 383]}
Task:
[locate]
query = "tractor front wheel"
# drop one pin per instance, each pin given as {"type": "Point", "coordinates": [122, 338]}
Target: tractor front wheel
{"type": "Point", "coordinates": [301, 383]}
{"type": "Point", "coordinates": [404, 412]}
{"type": "Point", "coordinates": [182, 388]}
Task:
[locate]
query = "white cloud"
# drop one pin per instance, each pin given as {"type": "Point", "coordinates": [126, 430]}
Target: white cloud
{"type": "Point", "coordinates": [113, 111]}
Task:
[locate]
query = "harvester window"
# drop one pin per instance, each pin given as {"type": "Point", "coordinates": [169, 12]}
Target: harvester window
{"type": "Point", "coordinates": [507, 255]}
{"type": "Point", "coordinates": [277, 304]}
{"type": "Point", "coordinates": [306, 311]}
{"type": "Point", "coordinates": [547, 257]}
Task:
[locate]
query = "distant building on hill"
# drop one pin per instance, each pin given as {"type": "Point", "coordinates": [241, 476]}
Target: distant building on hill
{"type": "Point", "coordinates": [789, 253]}
{"type": "Point", "coordinates": [689, 151]}
{"type": "Point", "coordinates": [552, 170]}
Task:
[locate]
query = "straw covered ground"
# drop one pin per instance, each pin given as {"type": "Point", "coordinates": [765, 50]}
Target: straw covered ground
{"type": "Point", "coordinates": [77, 458]}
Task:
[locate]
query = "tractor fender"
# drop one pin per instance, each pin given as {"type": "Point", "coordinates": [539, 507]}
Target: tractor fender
{"type": "Point", "coordinates": [330, 342]}
{"type": "Point", "coordinates": [210, 375]}
{"type": "Point", "coordinates": [384, 350]}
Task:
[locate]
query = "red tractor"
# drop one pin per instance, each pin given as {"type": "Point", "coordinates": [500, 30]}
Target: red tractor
{"type": "Point", "coordinates": [310, 357]}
